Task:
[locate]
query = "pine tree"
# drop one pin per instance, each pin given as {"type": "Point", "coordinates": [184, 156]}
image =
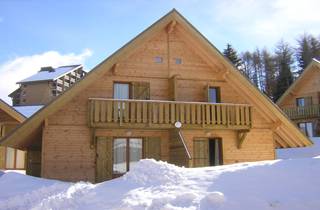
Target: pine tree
{"type": "Point", "coordinates": [303, 52]}
{"type": "Point", "coordinates": [308, 48]}
{"type": "Point", "coordinates": [246, 59]}
{"type": "Point", "coordinates": [284, 63]}
{"type": "Point", "coordinates": [270, 73]}
{"type": "Point", "coordinates": [315, 47]}
{"type": "Point", "coordinates": [232, 55]}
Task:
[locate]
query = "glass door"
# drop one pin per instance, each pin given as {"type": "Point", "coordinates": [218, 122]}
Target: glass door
{"type": "Point", "coordinates": [126, 153]}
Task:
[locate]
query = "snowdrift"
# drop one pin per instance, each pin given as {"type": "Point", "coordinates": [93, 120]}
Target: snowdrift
{"type": "Point", "coordinates": [304, 152]}
{"type": "Point", "coordinates": [281, 184]}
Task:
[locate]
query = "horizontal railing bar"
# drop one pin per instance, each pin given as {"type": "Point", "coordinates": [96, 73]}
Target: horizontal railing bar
{"type": "Point", "coordinates": [162, 101]}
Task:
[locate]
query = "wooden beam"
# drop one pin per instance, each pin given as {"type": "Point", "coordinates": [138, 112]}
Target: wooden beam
{"type": "Point", "coordinates": [171, 26]}
{"type": "Point", "coordinates": [115, 68]}
{"type": "Point", "coordinates": [242, 134]}
{"type": "Point", "coordinates": [276, 125]}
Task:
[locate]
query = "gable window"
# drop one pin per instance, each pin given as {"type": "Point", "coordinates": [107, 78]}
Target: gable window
{"type": "Point", "coordinates": [305, 101]}
{"type": "Point", "coordinates": [126, 153]}
{"type": "Point", "coordinates": [213, 94]}
{"type": "Point", "coordinates": [158, 59]}
{"type": "Point", "coordinates": [178, 61]}
{"type": "Point", "coordinates": [306, 128]}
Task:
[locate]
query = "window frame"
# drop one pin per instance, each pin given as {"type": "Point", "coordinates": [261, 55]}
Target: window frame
{"type": "Point", "coordinates": [305, 100]}
{"type": "Point", "coordinates": [14, 160]}
{"type": "Point", "coordinates": [115, 175]}
{"type": "Point", "coordinates": [122, 82]}
{"type": "Point", "coordinates": [218, 93]}
{"type": "Point", "coordinates": [207, 140]}
{"type": "Point", "coordinates": [305, 129]}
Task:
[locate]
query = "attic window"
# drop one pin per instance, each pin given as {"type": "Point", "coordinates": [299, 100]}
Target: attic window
{"type": "Point", "coordinates": [158, 59]}
{"type": "Point", "coordinates": [178, 61]}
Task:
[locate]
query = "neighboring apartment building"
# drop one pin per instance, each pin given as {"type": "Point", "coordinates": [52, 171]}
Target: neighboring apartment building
{"type": "Point", "coordinates": [46, 84]}
{"type": "Point", "coordinates": [301, 102]}
{"type": "Point", "coordinates": [168, 94]}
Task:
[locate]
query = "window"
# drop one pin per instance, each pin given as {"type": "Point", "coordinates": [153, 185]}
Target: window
{"type": "Point", "coordinates": [15, 159]}
{"type": "Point", "coordinates": [121, 90]}
{"type": "Point", "coordinates": [214, 94]}
{"type": "Point", "coordinates": [158, 59]}
{"type": "Point", "coordinates": [306, 128]}
{"type": "Point", "coordinates": [126, 153]}
{"type": "Point", "coordinates": [178, 61]}
{"type": "Point", "coordinates": [305, 101]}
{"type": "Point", "coordinates": [10, 153]}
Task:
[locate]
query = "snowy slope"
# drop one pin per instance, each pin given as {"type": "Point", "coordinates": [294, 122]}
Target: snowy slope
{"type": "Point", "coordinates": [281, 184]}
{"type": "Point", "coordinates": [304, 152]}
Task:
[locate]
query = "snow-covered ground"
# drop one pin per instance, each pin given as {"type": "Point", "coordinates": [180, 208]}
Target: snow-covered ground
{"type": "Point", "coordinates": [305, 152]}
{"type": "Point", "coordinates": [281, 184]}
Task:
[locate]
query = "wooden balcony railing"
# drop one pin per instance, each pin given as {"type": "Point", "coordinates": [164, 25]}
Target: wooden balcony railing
{"type": "Point", "coordinates": [303, 112]}
{"type": "Point", "coordinates": [112, 113]}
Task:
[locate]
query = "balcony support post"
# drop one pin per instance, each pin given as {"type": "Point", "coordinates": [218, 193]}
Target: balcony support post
{"type": "Point", "coordinates": [242, 134]}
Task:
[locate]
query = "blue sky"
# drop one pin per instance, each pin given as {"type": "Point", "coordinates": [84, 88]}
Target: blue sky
{"type": "Point", "coordinates": [34, 32]}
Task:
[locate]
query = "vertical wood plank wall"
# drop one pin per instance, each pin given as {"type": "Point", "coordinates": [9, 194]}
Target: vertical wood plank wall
{"type": "Point", "coordinates": [66, 141]}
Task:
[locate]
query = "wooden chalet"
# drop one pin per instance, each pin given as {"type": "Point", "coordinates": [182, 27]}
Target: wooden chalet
{"type": "Point", "coordinates": [168, 94]}
{"type": "Point", "coordinates": [301, 102]}
{"type": "Point", "coordinates": [10, 118]}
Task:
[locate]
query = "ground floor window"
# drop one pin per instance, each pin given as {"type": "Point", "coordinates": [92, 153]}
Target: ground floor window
{"type": "Point", "coordinates": [207, 152]}
{"type": "Point", "coordinates": [14, 158]}
{"type": "Point", "coordinates": [126, 153]}
{"type": "Point", "coordinates": [306, 128]}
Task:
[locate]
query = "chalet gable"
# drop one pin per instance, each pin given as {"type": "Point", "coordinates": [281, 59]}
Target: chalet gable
{"type": "Point", "coordinates": [306, 75]}
{"type": "Point", "coordinates": [286, 134]}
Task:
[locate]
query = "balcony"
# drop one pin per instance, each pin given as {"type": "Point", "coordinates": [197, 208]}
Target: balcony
{"type": "Point", "coordinates": [112, 113]}
{"type": "Point", "coordinates": [303, 112]}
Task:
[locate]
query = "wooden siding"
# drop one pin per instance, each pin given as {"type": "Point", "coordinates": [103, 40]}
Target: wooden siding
{"type": "Point", "coordinates": [67, 140]}
{"type": "Point", "coordinates": [308, 86]}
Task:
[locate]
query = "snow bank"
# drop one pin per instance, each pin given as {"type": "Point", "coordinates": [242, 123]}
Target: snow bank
{"type": "Point", "coordinates": [281, 184]}
{"type": "Point", "coordinates": [304, 152]}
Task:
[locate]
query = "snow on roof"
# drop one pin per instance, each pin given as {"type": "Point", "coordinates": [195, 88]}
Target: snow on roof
{"type": "Point", "coordinates": [48, 73]}
{"type": "Point", "coordinates": [27, 111]}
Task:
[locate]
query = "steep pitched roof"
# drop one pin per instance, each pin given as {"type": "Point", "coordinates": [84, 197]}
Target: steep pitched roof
{"type": "Point", "coordinates": [313, 63]}
{"type": "Point", "coordinates": [11, 111]}
{"type": "Point", "coordinates": [49, 73]}
{"type": "Point", "coordinates": [286, 133]}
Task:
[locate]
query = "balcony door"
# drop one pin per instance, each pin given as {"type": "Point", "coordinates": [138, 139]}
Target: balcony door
{"type": "Point", "coordinates": [306, 128]}
{"type": "Point", "coordinates": [207, 152]}
{"type": "Point", "coordinates": [305, 101]}
{"type": "Point", "coordinates": [121, 90]}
